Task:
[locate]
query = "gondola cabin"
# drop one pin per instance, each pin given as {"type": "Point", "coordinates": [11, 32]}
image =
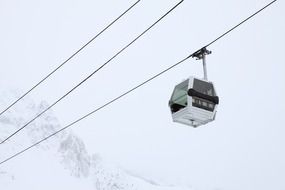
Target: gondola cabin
{"type": "Point", "coordinates": [194, 102]}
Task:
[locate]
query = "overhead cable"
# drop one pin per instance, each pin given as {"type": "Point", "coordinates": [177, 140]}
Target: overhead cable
{"type": "Point", "coordinates": [127, 92]}
{"type": "Point", "coordinates": [68, 59]}
{"type": "Point", "coordinates": [89, 76]}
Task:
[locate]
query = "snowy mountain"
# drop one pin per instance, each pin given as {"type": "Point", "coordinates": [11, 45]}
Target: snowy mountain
{"type": "Point", "coordinates": [60, 162]}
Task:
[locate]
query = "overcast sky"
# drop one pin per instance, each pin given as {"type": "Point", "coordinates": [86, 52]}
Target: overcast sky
{"type": "Point", "coordinates": [242, 149]}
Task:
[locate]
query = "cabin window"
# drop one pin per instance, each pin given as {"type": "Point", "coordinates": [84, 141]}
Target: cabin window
{"type": "Point", "coordinates": [203, 104]}
{"type": "Point", "coordinates": [211, 106]}
{"type": "Point", "coordinates": [204, 87]}
{"type": "Point", "coordinates": [179, 97]}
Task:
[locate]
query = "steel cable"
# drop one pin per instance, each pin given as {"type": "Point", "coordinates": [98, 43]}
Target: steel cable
{"type": "Point", "coordinates": [129, 91]}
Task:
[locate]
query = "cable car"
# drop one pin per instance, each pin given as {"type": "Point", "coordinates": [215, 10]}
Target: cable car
{"type": "Point", "coordinates": [194, 101]}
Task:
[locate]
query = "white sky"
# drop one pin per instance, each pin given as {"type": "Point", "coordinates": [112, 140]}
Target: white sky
{"type": "Point", "coordinates": [242, 149]}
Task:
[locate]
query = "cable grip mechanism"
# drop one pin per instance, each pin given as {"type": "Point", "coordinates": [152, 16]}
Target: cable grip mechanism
{"type": "Point", "coordinates": [201, 54]}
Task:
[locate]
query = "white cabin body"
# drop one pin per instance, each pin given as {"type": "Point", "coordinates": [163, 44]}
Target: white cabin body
{"type": "Point", "coordinates": [194, 102]}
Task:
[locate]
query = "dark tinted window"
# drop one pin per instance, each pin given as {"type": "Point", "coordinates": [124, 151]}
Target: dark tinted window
{"type": "Point", "coordinates": [204, 87]}
{"type": "Point", "coordinates": [203, 104]}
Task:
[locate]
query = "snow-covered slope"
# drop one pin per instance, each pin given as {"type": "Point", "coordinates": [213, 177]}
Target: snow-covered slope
{"type": "Point", "coordinates": [60, 162]}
